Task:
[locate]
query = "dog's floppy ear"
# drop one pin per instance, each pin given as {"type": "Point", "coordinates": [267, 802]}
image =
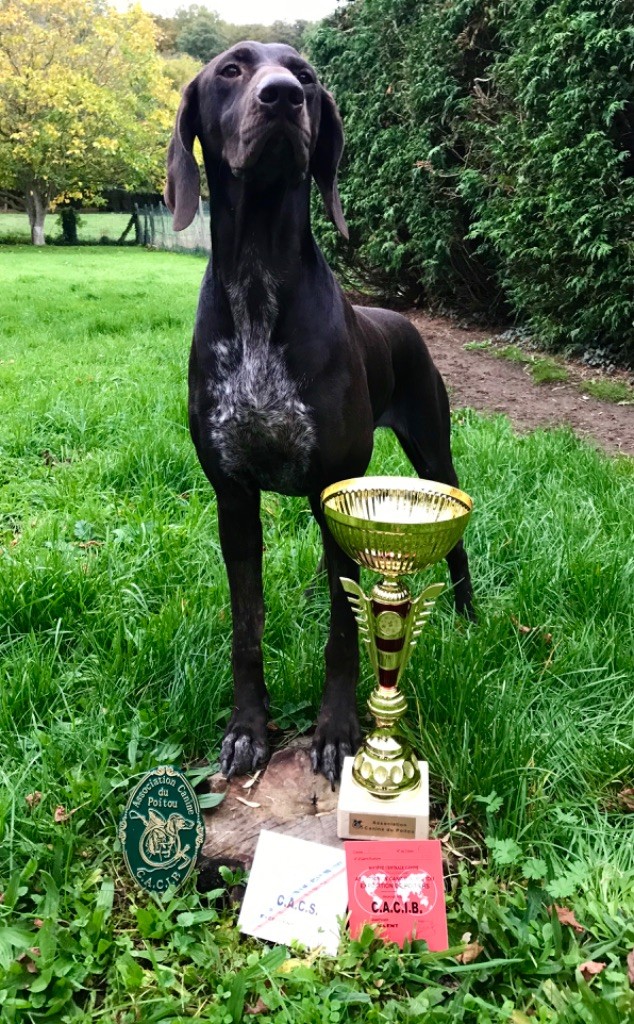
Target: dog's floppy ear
{"type": "Point", "coordinates": [325, 160]}
{"type": "Point", "coordinates": [182, 191]}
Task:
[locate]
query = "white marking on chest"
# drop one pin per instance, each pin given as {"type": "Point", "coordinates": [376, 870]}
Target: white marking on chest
{"type": "Point", "coordinates": [259, 425]}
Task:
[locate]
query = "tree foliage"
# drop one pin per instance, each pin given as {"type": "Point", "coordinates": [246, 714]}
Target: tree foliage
{"type": "Point", "coordinates": [84, 102]}
{"type": "Point", "coordinates": [200, 32]}
{"type": "Point", "coordinates": [201, 37]}
{"type": "Point", "coordinates": [490, 155]}
{"type": "Point", "coordinates": [180, 68]}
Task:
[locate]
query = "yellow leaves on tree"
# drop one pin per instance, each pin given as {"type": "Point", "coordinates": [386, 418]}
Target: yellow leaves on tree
{"type": "Point", "coordinates": [84, 102]}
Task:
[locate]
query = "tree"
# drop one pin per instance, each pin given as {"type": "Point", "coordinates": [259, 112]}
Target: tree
{"type": "Point", "coordinates": [291, 34]}
{"type": "Point", "coordinates": [201, 37]}
{"type": "Point", "coordinates": [199, 31]}
{"type": "Point", "coordinates": [84, 103]}
{"type": "Point", "coordinates": [180, 68]}
{"type": "Point", "coordinates": [167, 34]}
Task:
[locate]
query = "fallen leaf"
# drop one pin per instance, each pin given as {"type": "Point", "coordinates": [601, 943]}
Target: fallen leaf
{"type": "Point", "coordinates": [259, 1007]}
{"type": "Point", "coordinates": [630, 966]}
{"type": "Point", "coordinates": [60, 814]}
{"type": "Point", "coordinates": [29, 963]}
{"type": "Point", "coordinates": [566, 916]}
{"type": "Point", "coordinates": [289, 965]}
{"type": "Point", "coordinates": [252, 781]}
{"type": "Point", "coordinates": [626, 798]}
{"type": "Point", "coordinates": [34, 798]}
{"type": "Point", "coordinates": [589, 968]}
{"type": "Point", "coordinates": [521, 628]}
{"type": "Point", "coordinates": [248, 803]}
{"type": "Point", "coordinates": [470, 953]}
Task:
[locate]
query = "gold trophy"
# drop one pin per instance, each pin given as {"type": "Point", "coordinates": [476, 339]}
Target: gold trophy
{"type": "Point", "coordinates": [395, 526]}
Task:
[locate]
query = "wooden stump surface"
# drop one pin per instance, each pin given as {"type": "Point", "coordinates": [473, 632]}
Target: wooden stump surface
{"type": "Point", "coordinates": [287, 797]}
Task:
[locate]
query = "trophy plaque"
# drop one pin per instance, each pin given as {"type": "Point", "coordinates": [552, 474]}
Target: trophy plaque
{"type": "Point", "coordinates": [395, 526]}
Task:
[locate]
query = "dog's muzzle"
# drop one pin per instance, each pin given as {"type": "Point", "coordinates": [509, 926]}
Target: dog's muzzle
{"type": "Point", "coordinates": [275, 139]}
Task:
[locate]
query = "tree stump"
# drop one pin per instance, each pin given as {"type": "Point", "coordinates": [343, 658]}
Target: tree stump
{"type": "Point", "coordinates": [287, 797]}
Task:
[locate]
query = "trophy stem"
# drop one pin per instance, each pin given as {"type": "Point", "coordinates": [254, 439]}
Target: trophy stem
{"type": "Point", "coordinates": [386, 765]}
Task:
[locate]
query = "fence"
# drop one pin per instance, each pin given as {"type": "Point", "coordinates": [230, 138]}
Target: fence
{"type": "Point", "coordinates": [155, 229]}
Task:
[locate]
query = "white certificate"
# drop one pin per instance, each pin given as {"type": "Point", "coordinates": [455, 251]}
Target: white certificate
{"type": "Point", "coordinates": [297, 890]}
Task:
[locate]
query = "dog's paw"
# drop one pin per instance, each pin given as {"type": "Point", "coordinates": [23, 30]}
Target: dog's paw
{"type": "Point", "coordinates": [337, 736]}
{"type": "Point", "coordinates": [244, 747]}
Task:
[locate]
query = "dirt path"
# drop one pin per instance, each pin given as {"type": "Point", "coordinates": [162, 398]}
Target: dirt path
{"type": "Point", "coordinates": [481, 381]}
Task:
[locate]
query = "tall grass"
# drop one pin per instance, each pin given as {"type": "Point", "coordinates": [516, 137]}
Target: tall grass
{"type": "Point", "coordinates": [114, 617]}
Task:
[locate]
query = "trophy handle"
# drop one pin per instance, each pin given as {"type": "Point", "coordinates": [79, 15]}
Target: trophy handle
{"type": "Point", "coordinates": [362, 610]}
{"type": "Point", "coordinates": [418, 615]}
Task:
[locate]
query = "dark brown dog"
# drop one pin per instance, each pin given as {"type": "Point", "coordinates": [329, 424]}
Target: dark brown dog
{"type": "Point", "coordinates": [287, 380]}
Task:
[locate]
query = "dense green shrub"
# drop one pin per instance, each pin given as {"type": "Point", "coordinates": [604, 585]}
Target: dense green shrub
{"type": "Point", "coordinates": [402, 86]}
{"type": "Point", "coordinates": [491, 156]}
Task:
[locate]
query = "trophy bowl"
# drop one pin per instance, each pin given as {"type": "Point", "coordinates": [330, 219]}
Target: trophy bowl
{"type": "Point", "coordinates": [397, 524]}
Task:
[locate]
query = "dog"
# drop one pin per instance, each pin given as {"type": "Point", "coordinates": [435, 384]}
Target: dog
{"type": "Point", "coordinates": [288, 380]}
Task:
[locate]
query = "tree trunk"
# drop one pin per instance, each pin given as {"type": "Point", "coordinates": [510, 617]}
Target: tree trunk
{"type": "Point", "coordinates": [36, 208]}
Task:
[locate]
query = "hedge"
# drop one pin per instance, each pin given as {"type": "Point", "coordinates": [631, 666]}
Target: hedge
{"type": "Point", "coordinates": [490, 157]}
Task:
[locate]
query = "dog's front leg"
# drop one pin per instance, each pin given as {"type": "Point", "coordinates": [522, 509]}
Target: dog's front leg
{"type": "Point", "coordinates": [338, 734]}
{"type": "Point", "coordinates": [244, 747]}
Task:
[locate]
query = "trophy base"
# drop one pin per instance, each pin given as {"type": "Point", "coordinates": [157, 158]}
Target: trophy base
{"type": "Point", "coordinates": [360, 815]}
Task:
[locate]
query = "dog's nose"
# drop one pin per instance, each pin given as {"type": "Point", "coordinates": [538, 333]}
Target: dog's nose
{"type": "Point", "coordinates": [279, 92]}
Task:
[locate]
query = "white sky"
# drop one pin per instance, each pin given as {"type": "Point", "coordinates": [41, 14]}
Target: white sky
{"type": "Point", "coordinates": [238, 12]}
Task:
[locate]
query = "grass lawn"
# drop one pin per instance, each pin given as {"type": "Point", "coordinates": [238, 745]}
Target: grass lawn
{"type": "Point", "coordinates": [114, 657]}
{"type": "Point", "coordinates": [92, 226]}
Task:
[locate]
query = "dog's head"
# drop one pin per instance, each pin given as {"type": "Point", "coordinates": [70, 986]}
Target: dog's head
{"type": "Point", "coordinates": [261, 110]}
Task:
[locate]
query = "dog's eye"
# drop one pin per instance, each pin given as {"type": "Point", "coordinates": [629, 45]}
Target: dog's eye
{"type": "Point", "coordinates": [230, 71]}
{"type": "Point", "coordinates": [305, 77]}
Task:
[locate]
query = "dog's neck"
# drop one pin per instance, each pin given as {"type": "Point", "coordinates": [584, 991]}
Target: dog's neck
{"type": "Point", "coordinates": [261, 241]}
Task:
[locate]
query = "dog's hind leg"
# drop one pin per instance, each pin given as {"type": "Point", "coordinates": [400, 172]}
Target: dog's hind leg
{"type": "Point", "coordinates": [245, 746]}
{"type": "Point", "coordinates": [337, 734]}
{"type": "Point", "coordinates": [457, 560]}
{"type": "Point", "coordinates": [420, 418]}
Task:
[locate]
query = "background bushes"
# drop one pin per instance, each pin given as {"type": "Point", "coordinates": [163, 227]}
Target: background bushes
{"type": "Point", "coordinates": [490, 157]}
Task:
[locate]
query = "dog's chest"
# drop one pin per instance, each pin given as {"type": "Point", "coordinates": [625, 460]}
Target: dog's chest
{"type": "Point", "coordinates": [259, 426]}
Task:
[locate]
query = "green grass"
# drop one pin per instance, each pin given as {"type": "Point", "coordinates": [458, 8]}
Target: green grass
{"type": "Point", "coordinates": [609, 390]}
{"type": "Point", "coordinates": [545, 370]}
{"type": "Point", "coordinates": [114, 656]}
{"type": "Point", "coordinates": [542, 369]}
{"type": "Point", "coordinates": [92, 226]}
{"type": "Point", "coordinates": [548, 371]}
{"type": "Point", "coordinates": [513, 353]}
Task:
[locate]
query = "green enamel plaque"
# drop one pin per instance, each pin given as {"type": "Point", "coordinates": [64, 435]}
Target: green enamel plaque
{"type": "Point", "coordinates": [161, 830]}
